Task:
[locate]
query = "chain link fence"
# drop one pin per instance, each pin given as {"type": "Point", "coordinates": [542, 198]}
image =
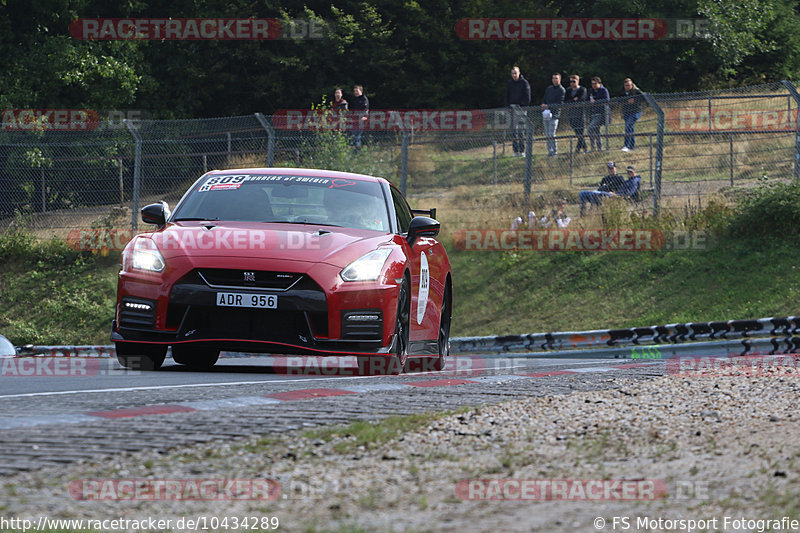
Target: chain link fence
{"type": "Point", "coordinates": [690, 148]}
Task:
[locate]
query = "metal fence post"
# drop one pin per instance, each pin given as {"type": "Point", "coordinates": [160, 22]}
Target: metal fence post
{"type": "Point", "coordinates": [494, 161]}
{"type": "Point", "coordinates": [659, 152]}
{"type": "Point", "coordinates": [528, 158]}
{"type": "Point", "coordinates": [651, 160]}
{"type": "Point", "coordinates": [571, 161]}
{"type": "Point", "coordinates": [404, 162]}
{"type": "Point", "coordinates": [793, 92]}
{"type": "Point", "coordinates": [44, 193]}
{"type": "Point", "coordinates": [730, 140]}
{"type": "Point", "coordinates": [137, 174]}
{"type": "Point", "coordinates": [270, 138]}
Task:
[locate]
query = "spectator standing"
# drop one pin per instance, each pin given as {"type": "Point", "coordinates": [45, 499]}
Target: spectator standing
{"type": "Point", "coordinates": [339, 104]}
{"type": "Point", "coordinates": [360, 110]}
{"type": "Point", "coordinates": [517, 97]}
{"type": "Point", "coordinates": [598, 98]}
{"type": "Point", "coordinates": [574, 99]}
{"type": "Point", "coordinates": [609, 186]}
{"type": "Point", "coordinates": [551, 111]}
{"type": "Point", "coordinates": [631, 112]}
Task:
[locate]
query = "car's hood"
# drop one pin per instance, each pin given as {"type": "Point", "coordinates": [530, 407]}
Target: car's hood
{"type": "Point", "coordinates": [296, 242]}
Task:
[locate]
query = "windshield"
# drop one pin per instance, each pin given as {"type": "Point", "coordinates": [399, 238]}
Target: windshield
{"type": "Point", "coordinates": [287, 199]}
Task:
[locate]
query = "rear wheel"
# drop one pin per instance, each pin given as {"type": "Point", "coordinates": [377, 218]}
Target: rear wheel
{"type": "Point", "coordinates": [199, 357]}
{"type": "Point", "coordinates": [444, 330]}
{"type": "Point", "coordinates": [399, 362]}
{"type": "Point", "coordinates": [139, 356]}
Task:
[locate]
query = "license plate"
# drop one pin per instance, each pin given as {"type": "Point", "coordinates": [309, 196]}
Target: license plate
{"type": "Point", "coordinates": [240, 299]}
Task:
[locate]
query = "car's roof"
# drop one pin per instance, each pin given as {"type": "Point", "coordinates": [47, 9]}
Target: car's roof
{"type": "Point", "coordinates": [297, 172]}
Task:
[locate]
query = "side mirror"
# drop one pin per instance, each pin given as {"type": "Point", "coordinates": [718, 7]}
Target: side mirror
{"type": "Point", "coordinates": [422, 227]}
{"type": "Point", "coordinates": [157, 213]}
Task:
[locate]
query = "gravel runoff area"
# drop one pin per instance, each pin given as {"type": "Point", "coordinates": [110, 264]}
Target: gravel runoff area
{"type": "Point", "coordinates": [726, 449]}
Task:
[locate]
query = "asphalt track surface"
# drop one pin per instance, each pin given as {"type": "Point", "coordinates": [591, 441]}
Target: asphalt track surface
{"type": "Point", "coordinates": [64, 410]}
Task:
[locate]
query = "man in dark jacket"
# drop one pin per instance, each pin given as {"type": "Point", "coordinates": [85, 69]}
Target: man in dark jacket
{"type": "Point", "coordinates": [598, 111]}
{"type": "Point", "coordinates": [631, 112]}
{"type": "Point", "coordinates": [610, 185]}
{"type": "Point", "coordinates": [551, 111]}
{"type": "Point", "coordinates": [518, 96]}
{"type": "Point", "coordinates": [360, 110]}
{"type": "Point", "coordinates": [575, 99]}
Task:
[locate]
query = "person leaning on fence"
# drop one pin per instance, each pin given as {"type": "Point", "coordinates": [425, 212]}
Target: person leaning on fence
{"type": "Point", "coordinates": [574, 99]}
{"type": "Point", "coordinates": [609, 186]}
{"type": "Point", "coordinates": [360, 110]}
{"type": "Point", "coordinates": [631, 112]}
{"type": "Point", "coordinates": [598, 111]}
{"type": "Point", "coordinates": [551, 111]}
{"type": "Point", "coordinates": [517, 97]}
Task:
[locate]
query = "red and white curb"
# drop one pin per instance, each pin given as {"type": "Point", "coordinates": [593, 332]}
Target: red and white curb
{"type": "Point", "coordinates": [280, 397]}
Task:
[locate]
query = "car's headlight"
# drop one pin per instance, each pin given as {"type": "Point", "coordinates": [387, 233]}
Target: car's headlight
{"type": "Point", "coordinates": [146, 256]}
{"type": "Point", "coordinates": [367, 267]}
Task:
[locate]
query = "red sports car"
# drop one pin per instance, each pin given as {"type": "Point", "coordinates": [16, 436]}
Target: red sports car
{"type": "Point", "coordinates": [285, 261]}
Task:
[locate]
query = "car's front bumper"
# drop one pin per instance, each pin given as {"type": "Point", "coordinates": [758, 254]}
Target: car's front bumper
{"type": "Point", "coordinates": [307, 320]}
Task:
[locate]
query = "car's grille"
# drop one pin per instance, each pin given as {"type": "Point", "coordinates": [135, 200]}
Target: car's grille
{"type": "Point", "coordinates": [251, 279]}
{"type": "Point", "coordinates": [137, 313]}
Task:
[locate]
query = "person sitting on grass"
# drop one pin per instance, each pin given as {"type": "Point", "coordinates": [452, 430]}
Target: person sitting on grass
{"type": "Point", "coordinates": [609, 186]}
{"type": "Point", "coordinates": [557, 215]}
{"type": "Point", "coordinates": [631, 187]}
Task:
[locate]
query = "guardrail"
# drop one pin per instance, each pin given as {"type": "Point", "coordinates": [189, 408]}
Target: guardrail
{"type": "Point", "coordinates": [768, 336]}
{"type": "Point", "coordinates": [652, 335]}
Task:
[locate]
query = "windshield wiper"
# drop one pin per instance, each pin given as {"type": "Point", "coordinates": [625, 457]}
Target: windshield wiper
{"type": "Point", "coordinates": [190, 219]}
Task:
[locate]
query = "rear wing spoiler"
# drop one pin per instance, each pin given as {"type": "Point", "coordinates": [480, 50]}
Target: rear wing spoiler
{"type": "Point", "coordinates": [425, 212]}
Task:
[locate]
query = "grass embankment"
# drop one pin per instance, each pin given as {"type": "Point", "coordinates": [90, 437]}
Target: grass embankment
{"type": "Point", "coordinates": [527, 292]}
{"type": "Point", "coordinates": [747, 269]}
{"type": "Point", "coordinates": [50, 294]}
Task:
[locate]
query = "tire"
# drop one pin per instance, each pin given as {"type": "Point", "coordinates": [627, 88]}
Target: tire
{"type": "Point", "coordinates": [444, 329]}
{"type": "Point", "coordinates": [140, 356]}
{"type": "Point", "coordinates": [402, 321]}
{"type": "Point", "coordinates": [198, 357]}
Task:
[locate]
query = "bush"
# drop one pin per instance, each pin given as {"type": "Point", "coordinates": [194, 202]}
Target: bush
{"type": "Point", "coordinates": [771, 210]}
{"type": "Point", "coordinates": [22, 246]}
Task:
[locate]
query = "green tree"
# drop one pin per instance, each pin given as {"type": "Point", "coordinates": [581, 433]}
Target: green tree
{"type": "Point", "coordinates": [44, 67]}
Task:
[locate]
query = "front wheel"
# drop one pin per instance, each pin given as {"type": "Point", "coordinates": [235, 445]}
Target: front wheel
{"type": "Point", "coordinates": [195, 357]}
{"type": "Point", "coordinates": [399, 362]}
{"type": "Point", "coordinates": [444, 330]}
{"type": "Point", "coordinates": [140, 356]}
